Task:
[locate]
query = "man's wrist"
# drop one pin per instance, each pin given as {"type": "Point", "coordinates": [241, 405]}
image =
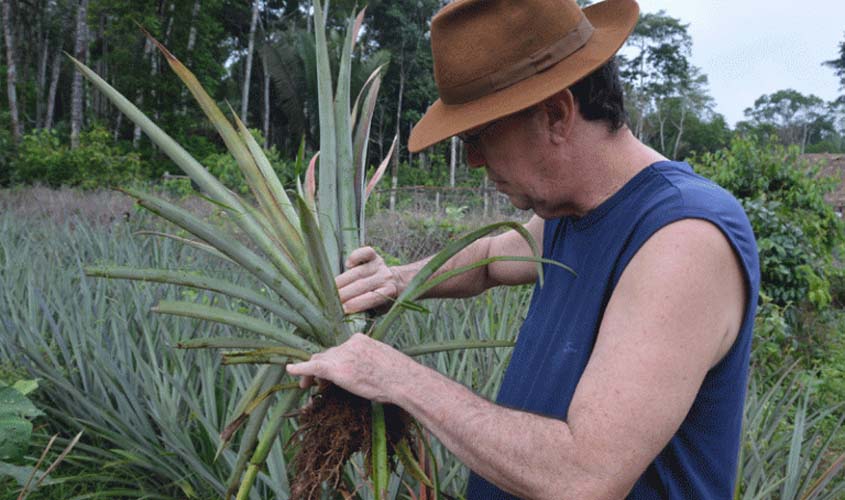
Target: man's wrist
{"type": "Point", "coordinates": [402, 275]}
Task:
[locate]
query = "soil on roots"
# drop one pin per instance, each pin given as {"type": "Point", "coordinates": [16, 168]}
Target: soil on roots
{"type": "Point", "coordinates": [334, 426]}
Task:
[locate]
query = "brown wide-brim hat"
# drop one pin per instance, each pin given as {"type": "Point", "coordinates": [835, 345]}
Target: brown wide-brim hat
{"type": "Point", "coordinates": [493, 58]}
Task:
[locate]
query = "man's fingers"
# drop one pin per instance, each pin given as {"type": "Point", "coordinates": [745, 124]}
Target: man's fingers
{"type": "Point", "coordinates": [360, 287]}
{"type": "Point", "coordinates": [351, 276]}
{"type": "Point", "coordinates": [304, 369]}
{"type": "Point", "coordinates": [360, 256]}
{"type": "Point", "coordinates": [366, 301]}
{"type": "Point", "coordinates": [306, 382]}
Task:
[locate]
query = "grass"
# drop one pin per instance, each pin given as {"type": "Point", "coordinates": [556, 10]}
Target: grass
{"type": "Point", "coordinates": [152, 414]}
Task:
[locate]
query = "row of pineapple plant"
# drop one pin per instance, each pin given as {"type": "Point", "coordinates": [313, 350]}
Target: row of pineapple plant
{"type": "Point", "coordinates": [297, 243]}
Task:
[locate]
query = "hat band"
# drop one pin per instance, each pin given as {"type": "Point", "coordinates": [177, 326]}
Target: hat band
{"type": "Point", "coordinates": [537, 62]}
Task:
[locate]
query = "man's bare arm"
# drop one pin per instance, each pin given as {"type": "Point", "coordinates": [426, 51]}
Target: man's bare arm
{"type": "Point", "coordinates": [369, 282]}
{"type": "Point", "coordinates": [675, 312]}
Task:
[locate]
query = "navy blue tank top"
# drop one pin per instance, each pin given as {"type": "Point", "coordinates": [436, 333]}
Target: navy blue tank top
{"type": "Point", "coordinates": [557, 337]}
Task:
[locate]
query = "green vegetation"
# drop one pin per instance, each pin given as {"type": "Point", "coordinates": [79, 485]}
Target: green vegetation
{"type": "Point", "coordinates": [97, 162]}
{"type": "Point", "coordinates": [152, 414]}
{"type": "Point", "coordinates": [667, 96]}
{"type": "Point", "coordinates": [298, 244]}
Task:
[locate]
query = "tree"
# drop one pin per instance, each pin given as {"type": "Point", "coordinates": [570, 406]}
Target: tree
{"type": "Point", "coordinates": [290, 59]}
{"type": "Point", "coordinates": [797, 119]}
{"type": "Point", "coordinates": [705, 136]}
{"type": "Point", "coordinates": [11, 70]}
{"type": "Point", "coordinates": [838, 65]}
{"type": "Point", "coordinates": [402, 27]}
{"type": "Point", "coordinates": [79, 51]}
{"type": "Point", "coordinates": [664, 89]}
{"type": "Point", "coordinates": [56, 13]}
{"type": "Point", "coordinates": [248, 67]}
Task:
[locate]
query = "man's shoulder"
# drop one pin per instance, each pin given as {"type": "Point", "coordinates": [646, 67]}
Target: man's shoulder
{"type": "Point", "coordinates": [697, 192]}
{"type": "Point", "coordinates": [696, 197]}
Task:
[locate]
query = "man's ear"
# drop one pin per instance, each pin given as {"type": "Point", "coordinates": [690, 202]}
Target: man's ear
{"type": "Point", "coordinates": [560, 113]}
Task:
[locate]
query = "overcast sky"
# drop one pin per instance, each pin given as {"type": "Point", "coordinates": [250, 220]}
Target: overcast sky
{"type": "Point", "coordinates": [748, 48]}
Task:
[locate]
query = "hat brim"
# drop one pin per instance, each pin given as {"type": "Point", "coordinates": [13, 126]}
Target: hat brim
{"type": "Point", "coordinates": [613, 20]}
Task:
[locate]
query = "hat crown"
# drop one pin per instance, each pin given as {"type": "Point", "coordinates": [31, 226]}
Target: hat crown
{"type": "Point", "coordinates": [474, 42]}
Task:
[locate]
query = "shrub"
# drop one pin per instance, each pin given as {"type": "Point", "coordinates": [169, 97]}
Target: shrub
{"type": "Point", "coordinates": [797, 231]}
{"type": "Point", "coordinates": [97, 162]}
{"type": "Point", "coordinates": [799, 236]}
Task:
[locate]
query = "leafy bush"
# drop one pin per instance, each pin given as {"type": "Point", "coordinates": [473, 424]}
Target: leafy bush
{"type": "Point", "coordinates": [435, 172]}
{"type": "Point", "coordinates": [16, 413]}
{"type": "Point", "coordinates": [97, 162]}
{"type": "Point", "coordinates": [799, 237]}
{"type": "Point", "coordinates": [797, 230]}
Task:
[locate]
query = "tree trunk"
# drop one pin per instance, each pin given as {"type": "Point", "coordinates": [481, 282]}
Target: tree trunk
{"type": "Point", "coordinates": [248, 70]}
{"type": "Point", "coordinates": [661, 120]}
{"type": "Point", "coordinates": [170, 19]}
{"type": "Point", "coordinates": [804, 137]}
{"type": "Point", "coordinates": [192, 34]}
{"type": "Point", "coordinates": [411, 155]}
{"type": "Point", "coordinates": [677, 147]}
{"type": "Point", "coordinates": [309, 19]}
{"type": "Point", "coordinates": [117, 123]}
{"type": "Point", "coordinates": [11, 72]}
{"type": "Point", "coordinates": [41, 80]}
{"type": "Point", "coordinates": [192, 41]}
{"type": "Point", "coordinates": [56, 71]}
{"type": "Point", "coordinates": [266, 104]}
{"type": "Point", "coordinates": [98, 100]}
{"type": "Point", "coordinates": [395, 174]}
{"type": "Point", "coordinates": [453, 161]}
{"type": "Point", "coordinates": [139, 100]}
{"type": "Point", "coordinates": [77, 91]}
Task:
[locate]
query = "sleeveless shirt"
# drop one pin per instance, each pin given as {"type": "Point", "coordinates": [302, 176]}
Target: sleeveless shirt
{"type": "Point", "coordinates": [564, 316]}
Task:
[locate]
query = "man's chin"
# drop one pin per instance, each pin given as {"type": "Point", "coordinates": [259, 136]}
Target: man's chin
{"type": "Point", "coordinates": [520, 202]}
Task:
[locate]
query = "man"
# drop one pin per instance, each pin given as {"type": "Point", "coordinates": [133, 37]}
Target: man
{"type": "Point", "coordinates": [627, 379]}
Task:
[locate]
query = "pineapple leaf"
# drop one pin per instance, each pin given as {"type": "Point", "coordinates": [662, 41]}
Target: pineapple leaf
{"type": "Point", "coordinates": [412, 291]}
{"type": "Point", "coordinates": [183, 278]}
{"type": "Point", "coordinates": [185, 241]}
{"type": "Point", "coordinates": [455, 345]}
{"type": "Point", "coordinates": [303, 348]}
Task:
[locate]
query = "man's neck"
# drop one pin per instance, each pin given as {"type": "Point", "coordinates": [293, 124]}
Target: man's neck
{"type": "Point", "coordinates": [610, 160]}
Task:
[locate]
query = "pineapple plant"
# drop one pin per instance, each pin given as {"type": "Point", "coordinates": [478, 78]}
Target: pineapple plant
{"type": "Point", "coordinates": [296, 242]}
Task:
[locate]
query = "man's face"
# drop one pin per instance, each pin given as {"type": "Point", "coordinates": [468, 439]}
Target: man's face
{"type": "Point", "coordinates": [515, 151]}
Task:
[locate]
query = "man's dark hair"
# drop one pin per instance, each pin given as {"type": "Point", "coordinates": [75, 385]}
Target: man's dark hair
{"type": "Point", "coordinates": [600, 96]}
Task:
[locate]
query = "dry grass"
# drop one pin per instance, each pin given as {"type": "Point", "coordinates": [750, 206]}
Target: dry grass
{"type": "Point", "coordinates": [408, 234]}
{"type": "Point", "coordinates": [412, 235]}
{"type": "Point", "coordinates": [70, 206]}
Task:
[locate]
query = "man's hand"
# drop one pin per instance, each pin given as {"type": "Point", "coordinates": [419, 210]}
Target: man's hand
{"type": "Point", "coordinates": [368, 283]}
{"type": "Point", "coordinates": [361, 365]}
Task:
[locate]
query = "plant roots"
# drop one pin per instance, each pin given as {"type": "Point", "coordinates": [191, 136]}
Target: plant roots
{"type": "Point", "coordinates": [332, 427]}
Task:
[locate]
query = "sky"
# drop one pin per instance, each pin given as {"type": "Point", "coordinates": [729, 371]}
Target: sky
{"type": "Point", "coordinates": [748, 48]}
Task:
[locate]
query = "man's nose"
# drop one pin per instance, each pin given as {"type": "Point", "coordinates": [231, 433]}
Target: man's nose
{"type": "Point", "coordinates": [474, 157]}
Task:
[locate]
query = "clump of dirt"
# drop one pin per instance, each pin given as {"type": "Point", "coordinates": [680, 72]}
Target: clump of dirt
{"type": "Point", "coordinates": [333, 427]}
